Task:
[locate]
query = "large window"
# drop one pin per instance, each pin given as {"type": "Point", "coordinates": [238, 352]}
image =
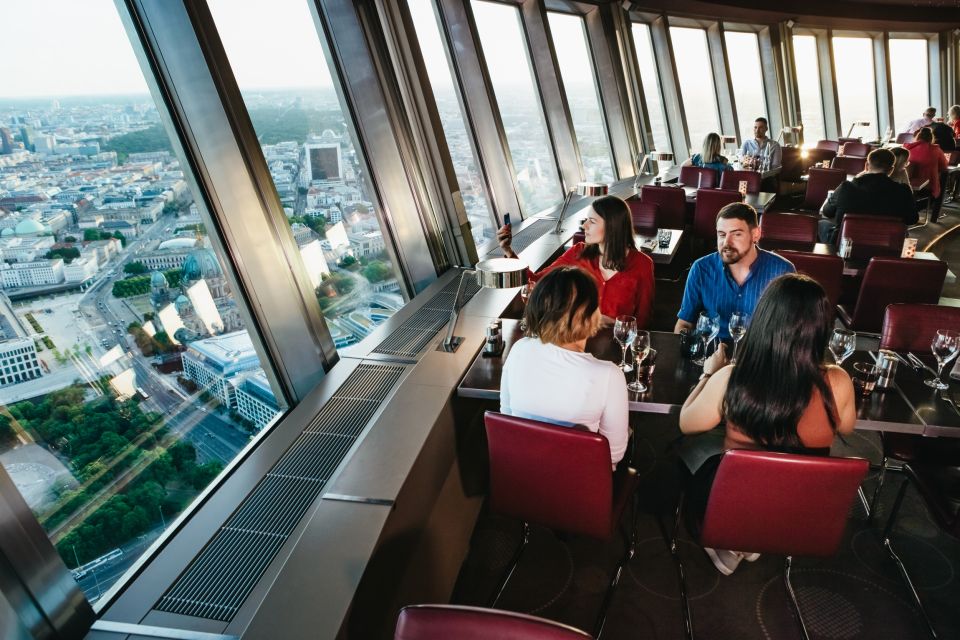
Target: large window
{"type": "Point", "coordinates": [808, 85]}
{"type": "Point", "coordinates": [128, 375]}
{"type": "Point", "coordinates": [580, 85]}
{"type": "Point", "coordinates": [909, 79]}
{"type": "Point", "coordinates": [696, 83]}
{"type": "Point", "coordinates": [508, 63]}
{"type": "Point", "coordinates": [856, 90]}
{"type": "Point", "coordinates": [313, 159]}
{"type": "Point", "coordinates": [452, 119]}
{"type": "Point", "coordinates": [743, 54]}
{"type": "Point", "coordinates": [651, 86]}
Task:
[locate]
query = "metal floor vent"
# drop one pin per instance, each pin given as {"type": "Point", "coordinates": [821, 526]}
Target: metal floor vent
{"type": "Point", "coordinates": [418, 330]}
{"type": "Point", "coordinates": [527, 236]}
{"type": "Point", "coordinates": [218, 580]}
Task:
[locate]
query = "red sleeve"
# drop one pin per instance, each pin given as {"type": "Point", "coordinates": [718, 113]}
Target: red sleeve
{"type": "Point", "coordinates": [645, 289]}
{"type": "Point", "coordinates": [570, 257]}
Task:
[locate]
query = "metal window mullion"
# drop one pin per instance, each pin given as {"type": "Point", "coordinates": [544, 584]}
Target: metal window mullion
{"type": "Point", "coordinates": [935, 83]}
{"type": "Point", "coordinates": [640, 113]}
{"type": "Point", "coordinates": [188, 72]}
{"type": "Point", "coordinates": [828, 85]}
{"type": "Point", "coordinates": [774, 45]}
{"type": "Point", "coordinates": [670, 87]}
{"type": "Point", "coordinates": [553, 99]}
{"type": "Point", "coordinates": [881, 66]}
{"type": "Point", "coordinates": [722, 84]}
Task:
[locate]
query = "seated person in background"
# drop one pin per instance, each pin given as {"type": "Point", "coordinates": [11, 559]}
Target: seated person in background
{"type": "Point", "coordinates": [872, 192]}
{"type": "Point", "coordinates": [929, 164]}
{"type": "Point", "coordinates": [623, 273]}
{"type": "Point", "coordinates": [760, 146]}
{"type": "Point", "coordinates": [924, 121]}
{"type": "Point", "coordinates": [780, 394]}
{"type": "Point", "coordinates": [901, 158]}
{"type": "Point", "coordinates": [709, 157]}
{"type": "Point", "coordinates": [943, 135]}
{"type": "Point", "coordinates": [954, 118]}
{"type": "Point", "coordinates": [549, 377]}
{"type": "Point", "coordinates": [733, 278]}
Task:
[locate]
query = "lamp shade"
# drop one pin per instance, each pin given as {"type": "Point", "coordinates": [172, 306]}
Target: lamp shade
{"type": "Point", "coordinates": [502, 273]}
{"type": "Point", "coordinates": [592, 189]}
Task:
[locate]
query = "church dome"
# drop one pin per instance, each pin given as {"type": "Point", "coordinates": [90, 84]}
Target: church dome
{"type": "Point", "coordinates": [157, 279]}
{"type": "Point", "coordinates": [7, 232]}
{"type": "Point", "coordinates": [201, 264]}
{"type": "Point", "coordinates": [28, 227]}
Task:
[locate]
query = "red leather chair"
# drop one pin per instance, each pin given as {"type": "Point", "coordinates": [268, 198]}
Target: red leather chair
{"type": "Point", "coordinates": [672, 202]}
{"type": "Point", "coordinates": [903, 138]}
{"type": "Point", "coordinates": [819, 182]}
{"type": "Point", "coordinates": [730, 179]}
{"type": "Point", "coordinates": [709, 203]}
{"type": "Point", "coordinates": [873, 236]}
{"type": "Point", "coordinates": [858, 149]}
{"type": "Point", "coordinates": [891, 280]}
{"type": "Point", "coordinates": [446, 622]}
{"type": "Point", "coordinates": [825, 269]}
{"type": "Point", "coordinates": [557, 477]}
{"type": "Point", "coordinates": [813, 157]}
{"type": "Point", "coordinates": [842, 141]}
{"type": "Point", "coordinates": [645, 216]}
{"type": "Point", "coordinates": [699, 177]}
{"type": "Point", "coordinates": [850, 165]}
{"type": "Point", "coordinates": [829, 145]}
{"type": "Point", "coordinates": [788, 231]}
{"type": "Point", "coordinates": [777, 503]}
{"type": "Point", "coordinates": [792, 164]}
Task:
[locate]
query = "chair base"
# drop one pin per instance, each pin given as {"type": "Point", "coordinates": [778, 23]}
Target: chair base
{"type": "Point", "coordinates": [787, 564]}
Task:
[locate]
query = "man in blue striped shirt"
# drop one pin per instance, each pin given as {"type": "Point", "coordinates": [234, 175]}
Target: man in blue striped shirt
{"type": "Point", "coordinates": [733, 278]}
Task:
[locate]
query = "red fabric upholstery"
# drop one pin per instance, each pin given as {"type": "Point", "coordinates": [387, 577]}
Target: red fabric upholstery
{"type": "Point", "coordinates": [819, 182]}
{"type": "Point", "coordinates": [672, 202]}
{"type": "Point", "coordinates": [766, 502]}
{"type": "Point", "coordinates": [797, 229]}
{"type": "Point", "coordinates": [825, 269]}
{"type": "Point", "coordinates": [829, 145]}
{"type": "Point", "coordinates": [891, 280]}
{"type": "Point", "coordinates": [873, 235]}
{"type": "Point", "coordinates": [858, 149]}
{"type": "Point", "coordinates": [709, 203]}
{"type": "Point", "coordinates": [699, 177]}
{"type": "Point", "coordinates": [449, 622]}
{"type": "Point", "coordinates": [731, 180]}
{"type": "Point", "coordinates": [850, 165]}
{"type": "Point", "coordinates": [644, 216]}
{"type": "Point", "coordinates": [911, 327]}
{"type": "Point", "coordinates": [904, 137]}
{"type": "Point", "coordinates": [554, 476]}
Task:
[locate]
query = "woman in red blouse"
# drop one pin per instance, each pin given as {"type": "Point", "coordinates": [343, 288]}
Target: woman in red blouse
{"type": "Point", "coordinates": [927, 159]}
{"type": "Point", "coordinates": [624, 274]}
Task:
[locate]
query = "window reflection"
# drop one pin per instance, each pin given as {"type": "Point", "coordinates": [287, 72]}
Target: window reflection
{"type": "Point", "coordinates": [696, 83]}
{"type": "Point", "coordinates": [808, 86]}
{"type": "Point", "coordinates": [856, 91]}
{"type": "Point", "coordinates": [746, 76]}
{"type": "Point", "coordinates": [651, 86]}
{"type": "Point", "coordinates": [909, 78]}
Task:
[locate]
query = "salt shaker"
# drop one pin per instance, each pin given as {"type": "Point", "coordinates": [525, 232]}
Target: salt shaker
{"type": "Point", "coordinates": [887, 368]}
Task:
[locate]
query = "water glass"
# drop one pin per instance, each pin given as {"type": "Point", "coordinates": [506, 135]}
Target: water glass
{"type": "Point", "coordinates": [737, 328]}
{"type": "Point", "coordinates": [641, 348]}
{"type": "Point", "coordinates": [866, 377]}
{"type": "Point", "coordinates": [944, 347]}
{"type": "Point", "coordinates": [842, 344]}
{"type": "Point", "coordinates": [624, 331]}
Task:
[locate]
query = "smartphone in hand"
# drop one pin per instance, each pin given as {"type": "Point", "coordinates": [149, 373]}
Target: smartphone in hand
{"type": "Point", "coordinates": [506, 219]}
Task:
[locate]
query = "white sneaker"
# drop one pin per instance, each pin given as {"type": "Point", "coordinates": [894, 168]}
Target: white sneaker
{"type": "Point", "coordinates": [725, 561]}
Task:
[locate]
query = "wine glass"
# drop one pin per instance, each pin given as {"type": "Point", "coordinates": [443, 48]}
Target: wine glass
{"type": "Point", "coordinates": [842, 344]}
{"type": "Point", "coordinates": [641, 349]}
{"type": "Point", "coordinates": [944, 346]}
{"type": "Point", "coordinates": [708, 328]}
{"type": "Point", "coordinates": [624, 329]}
{"type": "Point", "coordinates": [738, 329]}
{"type": "Point", "coordinates": [524, 297]}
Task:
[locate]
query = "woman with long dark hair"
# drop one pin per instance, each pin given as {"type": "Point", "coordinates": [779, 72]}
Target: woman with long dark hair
{"type": "Point", "coordinates": [623, 273]}
{"type": "Point", "coordinates": [780, 394]}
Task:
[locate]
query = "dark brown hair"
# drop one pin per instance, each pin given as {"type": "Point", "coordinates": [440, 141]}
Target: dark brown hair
{"type": "Point", "coordinates": [925, 134]}
{"type": "Point", "coordinates": [739, 211]}
{"type": "Point", "coordinates": [617, 233]}
{"type": "Point", "coordinates": [562, 306]}
{"type": "Point", "coordinates": [882, 159]}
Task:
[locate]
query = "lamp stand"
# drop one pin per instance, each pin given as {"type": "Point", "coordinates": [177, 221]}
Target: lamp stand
{"type": "Point", "coordinates": [451, 342]}
{"type": "Point", "coordinates": [563, 210]}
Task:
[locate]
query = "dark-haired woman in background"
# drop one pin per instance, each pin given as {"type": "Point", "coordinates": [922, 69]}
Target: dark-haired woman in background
{"type": "Point", "coordinates": [623, 273]}
{"type": "Point", "coordinates": [780, 394]}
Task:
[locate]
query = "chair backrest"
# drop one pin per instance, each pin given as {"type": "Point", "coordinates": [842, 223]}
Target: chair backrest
{"type": "Point", "coordinates": [851, 165]}
{"type": "Point", "coordinates": [779, 229]}
{"type": "Point", "coordinates": [813, 157]}
{"type": "Point", "coordinates": [825, 269]}
{"type": "Point", "coordinates": [557, 477]}
{"type": "Point", "coordinates": [819, 182]}
{"type": "Point", "coordinates": [672, 202]}
{"type": "Point", "coordinates": [911, 327]}
{"type": "Point", "coordinates": [730, 179]}
{"type": "Point", "coordinates": [873, 235]}
{"type": "Point", "coordinates": [858, 149]}
{"type": "Point", "coordinates": [792, 164]}
{"type": "Point", "coordinates": [699, 177]}
{"type": "Point", "coordinates": [843, 141]}
{"type": "Point", "coordinates": [709, 203]}
{"type": "Point", "coordinates": [891, 280]}
{"type": "Point", "coordinates": [779, 503]}
{"type": "Point", "coordinates": [829, 145]}
{"type": "Point", "coordinates": [443, 622]}
{"type": "Point", "coordinates": [645, 216]}
{"type": "Point", "coordinates": [954, 158]}
{"type": "Point", "coordinates": [904, 138]}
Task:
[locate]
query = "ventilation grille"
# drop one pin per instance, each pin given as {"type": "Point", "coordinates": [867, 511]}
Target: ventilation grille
{"type": "Point", "coordinates": [416, 332]}
{"type": "Point", "coordinates": [217, 582]}
{"type": "Point", "coordinates": [527, 236]}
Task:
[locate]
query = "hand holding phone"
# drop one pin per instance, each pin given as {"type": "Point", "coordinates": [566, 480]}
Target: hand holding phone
{"type": "Point", "coordinates": [506, 219]}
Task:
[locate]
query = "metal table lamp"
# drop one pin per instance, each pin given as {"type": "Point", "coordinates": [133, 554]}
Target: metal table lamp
{"type": "Point", "coordinates": [790, 135]}
{"type": "Point", "coordinates": [654, 156]}
{"type": "Point", "coordinates": [860, 123]}
{"type": "Point", "coordinates": [583, 189]}
{"type": "Point", "coordinates": [728, 141]}
{"type": "Point", "coordinates": [496, 273]}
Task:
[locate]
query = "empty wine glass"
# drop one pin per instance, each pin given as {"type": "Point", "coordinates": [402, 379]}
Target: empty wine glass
{"type": "Point", "coordinates": [738, 329]}
{"type": "Point", "coordinates": [944, 346]}
{"type": "Point", "coordinates": [524, 297]}
{"type": "Point", "coordinates": [641, 349]}
{"type": "Point", "coordinates": [708, 328]}
{"type": "Point", "coordinates": [624, 329]}
{"type": "Point", "coordinates": [842, 344]}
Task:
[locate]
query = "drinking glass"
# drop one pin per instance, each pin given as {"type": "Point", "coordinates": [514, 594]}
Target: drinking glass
{"type": "Point", "coordinates": [866, 377]}
{"type": "Point", "coordinates": [708, 328]}
{"type": "Point", "coordinates": [624, 329]}
{"type": "Point", "coordinates": [842, 344]}
{"type": "Point", "coordinates": [738, 329]}
{"type": "Point", "coordinates": [944, 346]}
{"type": "Point", "coordinates": [641, 349]}
{"type": "Point", "coordinates": [524, 297]}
